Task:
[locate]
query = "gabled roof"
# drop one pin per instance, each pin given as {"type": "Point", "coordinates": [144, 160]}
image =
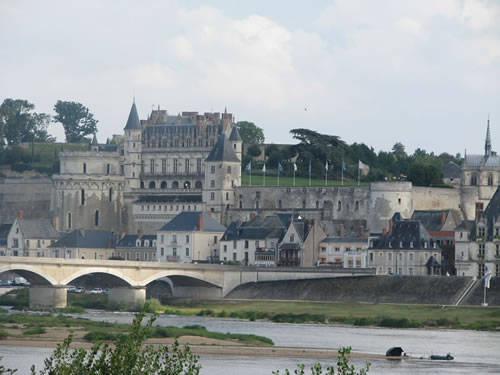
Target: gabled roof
{"type": "Point", "coordinates": [466, 225]}
{"type": "Point", "coordinates": [4, 232]}
{"type": "Point", "coordinates": [259, 228]}
{"type": "Point", "coordinates": [130, 240]}
{"type": "Point", "coordinates": [133, 119]}
{"type": "Point", "coordinates": [491, 215]}
{"type": "Point", "coordinates": [37, 228]}
{"type": "Point", "coordinates": [235, 134]}
{"type": "Point", "coordinates": [430, 219]}
{"type": "Point", "coordinates": [451, 170]}
{"type": "Point", "coordinates": [90, 239]}
{"type": "Point", "coordinates": [222, 151]}
{"type": "Point", "coordinates": [403, 233]}
{"type": "Point", "coordinates": [187, 221]}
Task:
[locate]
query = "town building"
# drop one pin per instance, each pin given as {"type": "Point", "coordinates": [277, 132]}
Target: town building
{"type": "Point", "coordinates": [346, 252]}
{"type": "Point", "coordinates": [188, 237]}
{"type": "Point", "coordinates": [136, 247]}
{"type": "Point", "coordinates": [406, 249]}
{"type": "Point", "coordinates": [30, 237]}
{"type": "Point", "coordinates": [84, 244]}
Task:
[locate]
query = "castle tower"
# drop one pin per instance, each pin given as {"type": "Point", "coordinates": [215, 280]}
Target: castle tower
{"type": "Point", "coordinates": [487, 143]}
{"type": "Point", "coordinates": [236, 141]}
{"type": "Point", "coordinates": [222, 174]}
{"type": "Point", "coordinates": [95, 145]}
{"type": "Point", "coordinates": [132, 150]}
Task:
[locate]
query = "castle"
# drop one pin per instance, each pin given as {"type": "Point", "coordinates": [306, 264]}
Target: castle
{"type": "Point", "coordinates": [169, 164]}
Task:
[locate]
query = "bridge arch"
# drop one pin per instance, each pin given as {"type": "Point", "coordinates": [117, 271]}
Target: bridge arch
{"type": "Point", "coordinates": [195, 274]}
{"type": "Point", "coordinates": [103, 270]}
{"type": "Point", "coordinates": [27, 271]}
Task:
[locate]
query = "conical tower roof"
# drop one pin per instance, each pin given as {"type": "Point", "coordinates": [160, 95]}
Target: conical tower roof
{"type": "Point", "coordinates": [94, 140]}
{"type": "Point", "coordinates": [235, 134]}
{"type": "Point", "coordinates": [133, 119]}
{"type": "Point", "coordinates": [222, 151]}
{"type": "Point", "coordinates": [487, 143]}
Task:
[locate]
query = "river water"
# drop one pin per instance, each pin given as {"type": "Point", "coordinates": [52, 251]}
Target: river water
{"type": "Point", "coordinates": [475, 352]}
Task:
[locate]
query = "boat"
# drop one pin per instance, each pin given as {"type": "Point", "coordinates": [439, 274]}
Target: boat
{"type": "Point", "coordinates": [447, 357]}
{"type": "Point", "coordinates": [395, 351]}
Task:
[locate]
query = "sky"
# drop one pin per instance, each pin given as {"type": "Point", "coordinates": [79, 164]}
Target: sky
{"type": "Point", "coordinates": [425, 73]}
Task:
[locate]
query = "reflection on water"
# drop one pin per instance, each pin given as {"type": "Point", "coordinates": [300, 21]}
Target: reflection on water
{"type": "Point", "coordinates": [474, 352]}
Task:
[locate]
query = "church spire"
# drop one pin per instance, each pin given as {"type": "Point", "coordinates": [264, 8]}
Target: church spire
{"type": "Point", "coordinates": [487, 144]}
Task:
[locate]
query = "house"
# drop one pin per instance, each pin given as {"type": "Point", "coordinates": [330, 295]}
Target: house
{"type": "Point", "coordinates": [85, 244]}
{"type": "Point", "coordinates": [189, 236]}
{"type": "Point", "coordinates": [136, 247]}
{"type": "Point", "coordinates": [440, 224]}
{"type": "Point", "coordinates": [30, 237]}
{"type": "Point", "coordinates": [406, 249]}
{"type": "Point", "coordinates": [292, 250]}
{"type": "Point", "coordinates": [346, 252]}
{"type": "Point", "coordinates": [254, 242]}
{"type": "Point", "coordinates": [482, 247]}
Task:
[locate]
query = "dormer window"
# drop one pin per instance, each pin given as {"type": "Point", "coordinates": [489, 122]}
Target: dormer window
{"type": "Point", "coordinates": [411, 244]}
{"type": "Point", "coordinates": [481, 231]}
{"type": "Point", "coordinates": [400, 244]}
{"type": "Point", "coordinates": [138, 243]}
{"type": "Point", "coordinates": [390, 244]}
{"type": "Point", "coordinates": [425, 244]}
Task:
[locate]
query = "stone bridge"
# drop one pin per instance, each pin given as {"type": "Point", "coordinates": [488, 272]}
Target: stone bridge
{"type": "Point", "coordinates": [50, 276]}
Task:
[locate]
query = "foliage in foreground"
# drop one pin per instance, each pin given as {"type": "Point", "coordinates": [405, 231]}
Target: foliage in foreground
{"type": "Point", "coordinates": [343, 367]}
{"type": "Point", "coordinates": [129, 356]}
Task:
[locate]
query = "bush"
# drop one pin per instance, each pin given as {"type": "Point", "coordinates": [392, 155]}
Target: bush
{"type": "Point", "coordinates": [35, 331]}
{"type": "Point", "coordinates": [3, 334]}
{"type": "Point", "coordinates": [398, 323]}
{"type": "Point", "coordinates": [152, 305]}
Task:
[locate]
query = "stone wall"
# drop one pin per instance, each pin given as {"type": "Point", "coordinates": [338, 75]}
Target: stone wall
{"type": "Point", "coordinates": [30, 194]}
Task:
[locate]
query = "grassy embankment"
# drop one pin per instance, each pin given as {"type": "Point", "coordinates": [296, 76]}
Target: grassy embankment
{"type": "Point", "coordinates": [357, 314]}
{"type": "Point", "coordinates": [257, 180]}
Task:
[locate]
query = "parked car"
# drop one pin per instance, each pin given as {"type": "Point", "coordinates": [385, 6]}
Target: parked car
{"type": "Point", "coordinates": [70, 288]}
{"type": "Point", "coordinates": [5, 283]}
{"type": "Point", "coordinates": [79, 290]}
{"type": "Point", "coordinates": [105, 292]}
{"type": "Point", "coordinates": [96, 291]}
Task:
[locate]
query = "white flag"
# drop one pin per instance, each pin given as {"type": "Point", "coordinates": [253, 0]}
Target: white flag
{"type": "Point", "coordinates": [264, 168]}
{"type": "Point", "coordinates": [326, 165]}
{"type": "Point", "coordinates": [363, 167]}
{"type": "Point", "coordinates": [295, 167]}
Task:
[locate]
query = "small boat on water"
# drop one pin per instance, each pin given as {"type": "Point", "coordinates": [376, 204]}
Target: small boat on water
{"type": "Point", "coordinates": [447, 357]}
{"type": "Point", "coordinates": [394, 352]}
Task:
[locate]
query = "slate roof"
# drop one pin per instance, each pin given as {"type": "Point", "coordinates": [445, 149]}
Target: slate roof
{"type": "Point", "coordinates": [466, 224]}
{"type": "Point", "coordinates": [404, 232]}
{"type": "Point", "coordinates": [344, 239]}
{"type": "Point", "coordinates": [133, 119]}
{"type": "Point", "coordinates": [181, 198]}
{"type": "Point", "coordinates": [259, 228]}
{"type": "Point", "coordinates": [222, 151]}
{"type": "Point", "coordinates": [4, 232]}
{"type": "Point", "coordinates": [451, 170]}
{"type": "Point", "coordinates": [430, 219]}
{"type": "Point", "coordinates": [90, 239]}
{"type": "Point", "coordinates": [37, 228]}
{"type": "Point", "coordinates": [481, 160]}
{"type": "Point", "coordinates": [491, 215]}
{"type": "Point", "coordinates": [187, 221]}
{"type": "Point", "coordinates": [130, 240]}
{"type": "Point", "coordinates": [235, 134]}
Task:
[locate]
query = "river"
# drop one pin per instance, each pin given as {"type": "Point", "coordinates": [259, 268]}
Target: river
{"type": "Point", "coordinates": [475, 352]}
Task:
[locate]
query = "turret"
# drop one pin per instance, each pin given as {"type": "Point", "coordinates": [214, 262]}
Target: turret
{"type": "Point", "coordinates": [236, 141]}
{"type": "Point", "coordinates": [132, 150]}
{"type": "Point", "coordinates": [487, 143]}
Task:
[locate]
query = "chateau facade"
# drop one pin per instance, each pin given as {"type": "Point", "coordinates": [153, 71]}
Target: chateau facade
{"type": "Point", "coordinates": [168, 164]}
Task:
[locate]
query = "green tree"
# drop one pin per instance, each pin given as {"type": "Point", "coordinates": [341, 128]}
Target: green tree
{"type": "Point", "coordinates": [19, 123]}
{"type": "Point", "coordinates": [399, 150]}
{"type": "Point", "coordinates": [76, 120]}
{"type": "Point", "coordinates": [253, 150]}
{"type": "Point", "coordinates": [343, 367]}
{"type": "Point", "coordinates": [250, 133]}
{"type": "Point", "coordinates": [128, 356]}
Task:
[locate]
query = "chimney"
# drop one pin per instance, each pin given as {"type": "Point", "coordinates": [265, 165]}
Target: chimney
{"type": "Point", "coordinates": [20, 214]}
{"type": "Point", "coordinates": [361, 231]}
{"type": "Point", "coordinates": [341, 230]}
{"type": "Point", "coordinates": [200, 221]}
{"type": "Point", "coordinates": [252, 215]}
{"type": "Point", "coordinates": [443, 217]}
{"type": "Point", "coordinates": [390, 225]}
{"type": "Point", "coordinates": [479, 210]}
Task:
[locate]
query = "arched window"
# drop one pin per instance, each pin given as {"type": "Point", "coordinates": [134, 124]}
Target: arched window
{"type": "Point", "coordinates": [280, 204]}
{"type": "Point", "coordinates": [187, 185]}
{"type": "Point", "coordinates": [473, 180]}
{"type": "Point", "coordinates": [317, 204]}
{"type": "Point", "coordinates": [96, 218]}
{"type": "Point", "coordinates": [339, 205]}
{"type": "Point", "coordinates": [69, 220]}
{"type": "Point", "coordinates": [198, 185]}
{"type": "Point", "coordinates": [490, 180]}
{"type": "Point", "coordinates": [142, 184]}
{"type": "Point", "coordinates": [163, 185]}
{"type": "Point", "coordinates": [241, 204]}
{"type": "Point", "coordinates": [110, 194]}
{"type": "Point", "coordinates": [152, 185]}
{"type": "Point", "coordinates": [108, 168]}
{"type": "Point", "coordinates": [84, 167]}
{"type": "Point", "coordinates": [175, 185]}
{"type": "Point", "coordinates": [82, 197]}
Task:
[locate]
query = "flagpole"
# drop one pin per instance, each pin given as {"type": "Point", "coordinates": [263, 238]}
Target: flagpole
{"type": "Point", "coordinates": [342, 174]}
{"type": "Point", "coordinates": [278, 174]}
{"type": "Point", "coordinates": [326, 176]}
{"type": "Point", "coordinates": [294, 176]}
{"type": "Point", "coordinates": [309, 173]}
{"type": "Point", "coordinates": [359, 173]}
{"type": "Point", "coordinates": [250, 175]}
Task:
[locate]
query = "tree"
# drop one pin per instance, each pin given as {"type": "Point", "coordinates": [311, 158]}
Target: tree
{"type": "Point", "coordinates": [128, 356]}
{"type": "Point", "coordinates": [399, 150]}
{"type": "Point", "coordinates": [343, 367]}
{"type": "Point", "coordinates": [250, 133]}
{"type": "Point", "coordinates": [19, 123]}
{"type": "Point", "coordinates": [76, 120]}
{"type": "Point", "coordinates": [254, 150]}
